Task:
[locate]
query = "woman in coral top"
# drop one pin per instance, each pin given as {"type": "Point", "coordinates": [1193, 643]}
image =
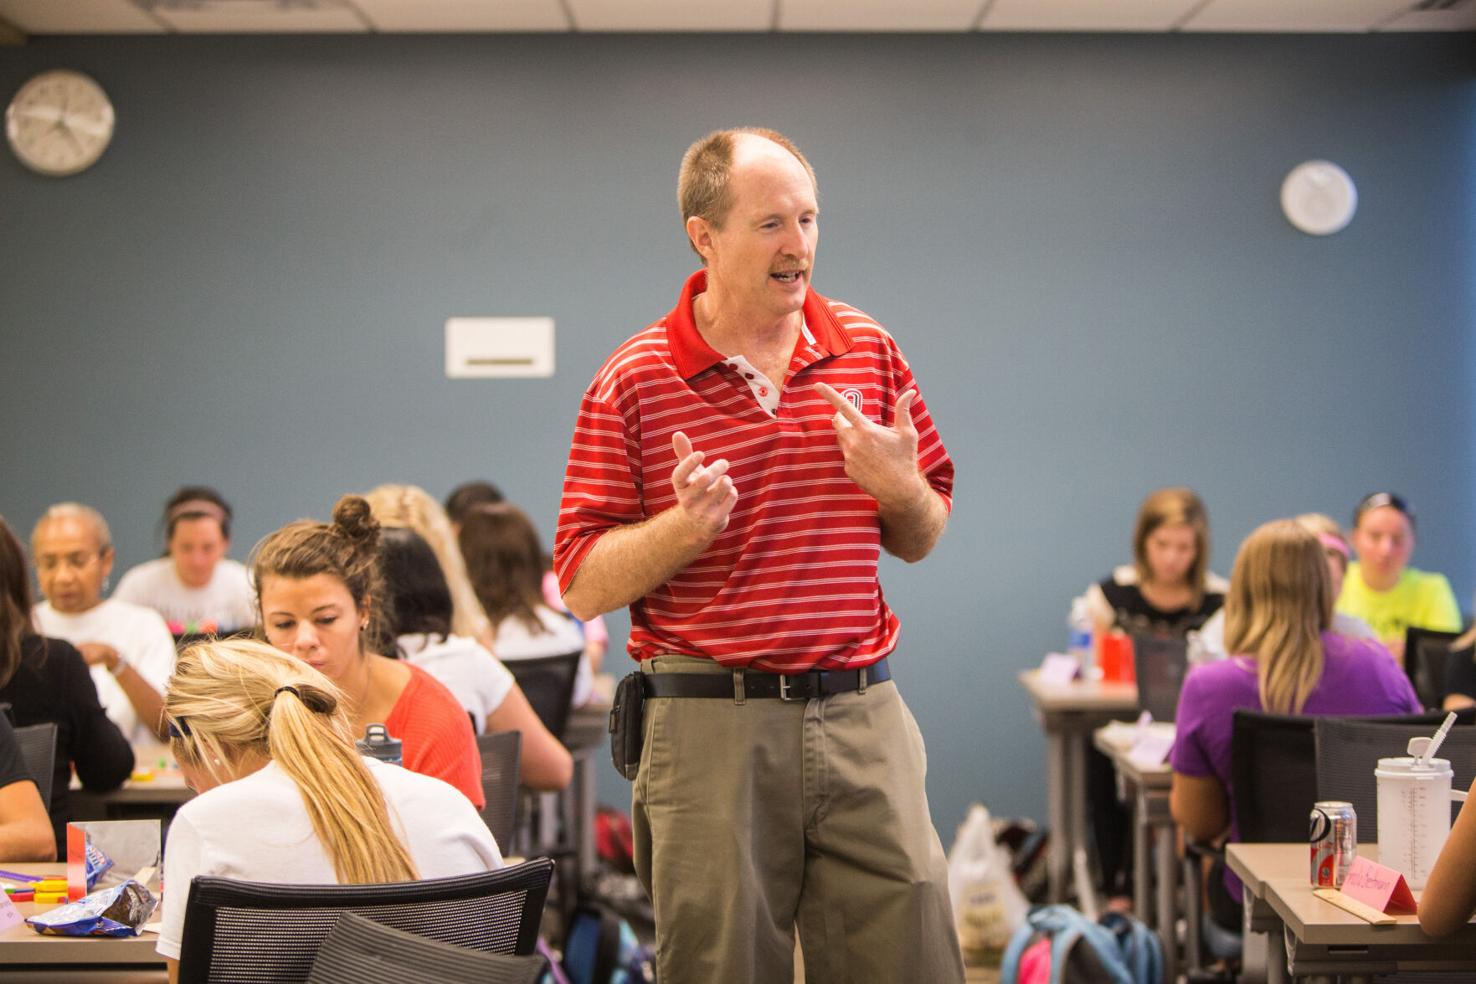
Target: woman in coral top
{"type": "Point", "coordinates": [319, 589]}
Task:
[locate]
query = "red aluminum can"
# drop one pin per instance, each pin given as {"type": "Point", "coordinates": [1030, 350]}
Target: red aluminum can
{"type": "Point", "coordinates": [1334, 842]}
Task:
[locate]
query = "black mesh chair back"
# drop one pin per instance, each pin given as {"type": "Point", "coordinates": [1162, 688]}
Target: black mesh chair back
{"type": "Point", "coordinates": [37, 744]}
{"type": "Point", "coordinates": [548, 683]}
{"type": "Point", "coordinates": [1348, 750]}
{"type": "Point", "coordinates": [500, 760]}
{"type": "Point", "coordinates": [238, 932]}
{"type": "Point", "coordinates": [1160, 665]}
{"type": "Point", "coordinates": [362, 951]}
{"type": "Point", "coordinates": [1426, 656]}
{"type": "Point", "coordinates": [1273, 775]}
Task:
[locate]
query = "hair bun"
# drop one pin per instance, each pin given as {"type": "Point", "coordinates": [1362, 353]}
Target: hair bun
{"type": "Point", "coordinates": [353, 520]}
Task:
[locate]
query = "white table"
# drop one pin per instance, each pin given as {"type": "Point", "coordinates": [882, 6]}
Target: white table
{"type": "Point", "coordinates": [1312, 938]}
{"type": "Point", "coordinates": [1153, 831]}
{"type": "Point", "coordinates": [27, 955]}
{"type": "Point", "coordinates": [1068, 714]}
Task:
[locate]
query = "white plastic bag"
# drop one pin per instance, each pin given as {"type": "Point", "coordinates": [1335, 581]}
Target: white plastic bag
{"type": "Point", "coordinates": [987, 904]}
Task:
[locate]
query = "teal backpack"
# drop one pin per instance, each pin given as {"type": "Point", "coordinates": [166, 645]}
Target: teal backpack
{"type": "Point", "coordinates": [1119, 949]}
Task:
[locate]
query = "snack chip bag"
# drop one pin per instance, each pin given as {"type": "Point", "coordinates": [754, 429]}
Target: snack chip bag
{"type": "Point", "coordinates": [118, 911]}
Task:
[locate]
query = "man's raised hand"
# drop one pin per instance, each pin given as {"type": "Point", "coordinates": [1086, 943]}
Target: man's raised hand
{"type": "Point", "coordinates": [705, 493]}
{"type": "Point", "coordinates": [882, 460]}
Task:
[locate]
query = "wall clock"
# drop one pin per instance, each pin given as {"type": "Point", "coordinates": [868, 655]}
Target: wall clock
{"type": "Point", "coordinates": [1319, 198]}
{"type": "Point", "coordinates": [59, 123]}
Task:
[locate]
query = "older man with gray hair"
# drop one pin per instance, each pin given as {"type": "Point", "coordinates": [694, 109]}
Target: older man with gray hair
{"type": "Point", "coordinates": [128, 647]}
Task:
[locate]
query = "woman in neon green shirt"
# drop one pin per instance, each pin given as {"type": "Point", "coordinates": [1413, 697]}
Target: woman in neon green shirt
{"type": "Point", "coordinates": [1381, 588]}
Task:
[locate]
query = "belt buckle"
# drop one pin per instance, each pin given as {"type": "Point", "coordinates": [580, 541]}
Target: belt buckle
{"type": "Point", "coordinates": [784, 679]}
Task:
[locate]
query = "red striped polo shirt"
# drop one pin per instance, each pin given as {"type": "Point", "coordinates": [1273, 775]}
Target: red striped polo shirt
{"type": "Point", "coordinates": [791, 584]}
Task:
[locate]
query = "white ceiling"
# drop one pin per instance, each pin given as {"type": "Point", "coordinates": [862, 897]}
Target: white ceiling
{"type": "Point", "coordinates": [462, 16]}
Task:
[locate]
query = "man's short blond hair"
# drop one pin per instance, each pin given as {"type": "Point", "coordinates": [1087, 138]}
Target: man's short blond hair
{"type": "Point", "coordinates": [703, 186]}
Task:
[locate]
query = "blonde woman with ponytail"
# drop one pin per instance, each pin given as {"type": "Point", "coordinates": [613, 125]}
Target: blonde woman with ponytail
{"type": "Point", "coordinates": [1285, 659]}
{"type": "Point", "coordinates": [285, 796]}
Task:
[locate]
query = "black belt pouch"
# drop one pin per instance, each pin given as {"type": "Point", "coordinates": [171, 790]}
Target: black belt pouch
{"type": "Point", "coordinates": [626, 731]}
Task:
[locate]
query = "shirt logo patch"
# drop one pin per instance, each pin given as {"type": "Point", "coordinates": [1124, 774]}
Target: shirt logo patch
{"type": "Point", "coordinates": [853, 396]}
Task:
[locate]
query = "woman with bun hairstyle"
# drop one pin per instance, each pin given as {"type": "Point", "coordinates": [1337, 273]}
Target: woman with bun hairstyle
{"type": "Point", "coordinates": [285, 797]}
{"type": "Point", "coordinates": [318, 587]}
{"type": "Point", "coordinates": [420, 607]}
{"type": "Point", "coordinates": [1285, 659]}
{"type": "Point", "coordinates": [194, 586]}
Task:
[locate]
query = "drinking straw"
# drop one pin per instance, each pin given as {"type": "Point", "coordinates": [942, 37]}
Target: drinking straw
{"type": "Point", "coordinates": [1434, 745]}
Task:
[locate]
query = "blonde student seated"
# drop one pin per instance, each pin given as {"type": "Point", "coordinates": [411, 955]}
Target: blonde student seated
{"type": "Point", "coordinates": [284, 795]}
{"type": "Point", "coordinates": [1335, 548]}
{"type": "Point", "coordinates": [1285, 660]}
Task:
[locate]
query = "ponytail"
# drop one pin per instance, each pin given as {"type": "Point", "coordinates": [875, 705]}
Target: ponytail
{"type": "Point", "coordinates": [230, 701]}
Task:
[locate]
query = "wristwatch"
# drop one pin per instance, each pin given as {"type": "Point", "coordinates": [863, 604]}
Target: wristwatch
{"type": "Point", "coordinates": [117, 668]}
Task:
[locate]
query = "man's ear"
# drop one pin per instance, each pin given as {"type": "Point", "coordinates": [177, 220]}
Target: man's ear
{"type": "Point", "coordinates": [699, 232]}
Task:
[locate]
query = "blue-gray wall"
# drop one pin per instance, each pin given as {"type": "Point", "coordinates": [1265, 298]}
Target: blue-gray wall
{"type": "Point", "coordinates": [1076, 240]}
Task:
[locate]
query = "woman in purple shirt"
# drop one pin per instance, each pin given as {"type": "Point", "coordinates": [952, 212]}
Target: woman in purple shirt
{"type": "Point", "coordinates": [1284, 660]}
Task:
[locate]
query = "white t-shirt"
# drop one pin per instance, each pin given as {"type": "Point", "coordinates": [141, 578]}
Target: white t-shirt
{"type": "Point", "coordinates": [559, 635]}
{"type": "Point", "coordinates": [257, 829]}
{"type": "Point", "coordinates": [139, 635]}
{"type": "Point", "coordinates": [466, 668]}
{"type": "Point", "coordinates": [1212, 634]}
{"type": "Point", "coordinates": [225, 604]}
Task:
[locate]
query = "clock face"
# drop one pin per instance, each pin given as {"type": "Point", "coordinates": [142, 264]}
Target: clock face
{"type": "Point", "coordinates": [1319, 198]}
{"type": "Point", "coordinates": [59, 123]}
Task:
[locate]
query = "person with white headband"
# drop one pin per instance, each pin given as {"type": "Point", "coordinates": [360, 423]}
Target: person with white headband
{"type": "Point", "coordinates": [195, 587]}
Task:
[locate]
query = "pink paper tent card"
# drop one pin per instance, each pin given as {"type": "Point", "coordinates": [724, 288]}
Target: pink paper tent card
{"type": "Point", "coordinates": [9, 914]}
{"type": "Point", "coordinates": [1379, 887]}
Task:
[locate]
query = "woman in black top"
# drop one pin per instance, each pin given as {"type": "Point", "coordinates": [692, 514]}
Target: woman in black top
{"type": "Point", "coordinates": [46, 681]}
{"type": "Point", "coordinates": [1168, 590]}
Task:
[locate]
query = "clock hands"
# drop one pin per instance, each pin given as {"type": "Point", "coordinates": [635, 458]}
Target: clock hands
{"type": "Point", "coordinates": [49, 114]}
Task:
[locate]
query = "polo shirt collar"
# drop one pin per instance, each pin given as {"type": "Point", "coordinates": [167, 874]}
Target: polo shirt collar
{"type": "Point", "coordinates": [692, 354]}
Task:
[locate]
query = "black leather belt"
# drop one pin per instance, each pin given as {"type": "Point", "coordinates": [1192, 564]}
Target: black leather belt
{"type": "Point", "coordinates": [739, 685]}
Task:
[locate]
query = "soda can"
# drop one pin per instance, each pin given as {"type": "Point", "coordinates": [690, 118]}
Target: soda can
{"type": "Point", "coordinates": [1334, 842]}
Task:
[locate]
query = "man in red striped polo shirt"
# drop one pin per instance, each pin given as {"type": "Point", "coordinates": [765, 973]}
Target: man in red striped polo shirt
{"type": "Point", "coordinates": [736, 469]}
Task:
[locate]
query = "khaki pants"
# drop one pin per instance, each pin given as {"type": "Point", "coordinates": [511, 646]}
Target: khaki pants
{"type": "Point", "coordinates": [753, 818]}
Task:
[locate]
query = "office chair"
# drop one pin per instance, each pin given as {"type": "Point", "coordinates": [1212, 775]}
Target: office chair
{"type": "Point", "coordinates": [1160, 665]}
{"type": "Point", "coordinates": [37, 744]}
{"type": "Point", "coordinates": [548, 683]}
{"type": "Point", "coordinates": [362, 951]}
{"type": "Point", "coordinates": [239, 931]}
{"type": "Point", "coordinates": [500, 766]}
{"type": "Point", "coordinates": [1349, 749]}
{"type": "Point", "coordinates": [1427, 655]}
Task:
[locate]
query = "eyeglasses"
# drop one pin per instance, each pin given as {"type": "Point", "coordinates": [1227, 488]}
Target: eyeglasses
{"type": "Point", "coordinates": [50, 562]}
{"type": "Point", "coordinates": [181, 731]}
